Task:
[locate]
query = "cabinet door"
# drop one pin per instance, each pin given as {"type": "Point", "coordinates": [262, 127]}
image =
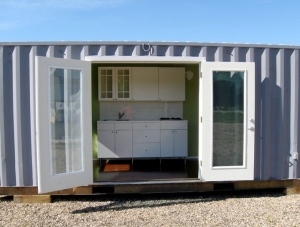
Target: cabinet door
{"type": "Point", "coordinates": [123, 83]}
{"type": "Point", "coordinates": [123, 144]}
{"type": "Point", "coordinates": [144, 83]}
{"type": "Point", "coordinates": [105, 84]}
{"type": "Point", "coordinates": [172, 84]}
{"type": "Point", "coordinates": [180, 143]}
{"type": "Point", "coordinates": [167, 143]}
{"type": "Point", "coordinates": [106, 144]}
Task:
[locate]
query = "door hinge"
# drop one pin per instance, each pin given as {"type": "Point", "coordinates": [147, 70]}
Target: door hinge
{"type": "Point", "coordinates": [200, 74]}
{"type": "Point", "coordinates": [201, 119]}
{"type": "Point", "coordinates": [201, 163]}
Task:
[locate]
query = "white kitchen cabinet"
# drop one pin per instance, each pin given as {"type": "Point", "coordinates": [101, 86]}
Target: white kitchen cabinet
{"type": "Point", "coordinates": [171, 83]}
{"type": "Point", "coordinates": [146, 139]}
{"type": "Point", "coordinates": [114, 83]}
{"type": "Point", "coordinates": [106, 144]}
{"type": "Point", "coordinates": [146, 150]}
{"type": "Point", "coordinates": [142, 139]}
{"type": "Point", "coordinates": [174, 139]}
{"type": "Point", "coordinates": [114, 139]}
{"type": "Point", "coordinates": [123, 141]}
{"type": "Point", "coordinates": [144, 82]}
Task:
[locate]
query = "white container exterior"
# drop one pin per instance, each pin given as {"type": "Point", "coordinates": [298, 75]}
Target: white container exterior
{"type": "Point", "coordinates": [276, 102]}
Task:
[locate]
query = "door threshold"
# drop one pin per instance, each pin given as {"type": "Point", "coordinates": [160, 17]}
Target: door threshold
{"type": "Point", "coordinates": [109, 183]}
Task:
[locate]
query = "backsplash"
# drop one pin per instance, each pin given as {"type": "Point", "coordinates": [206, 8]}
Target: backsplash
{"type": "Point", "coordinates": [140, 110]}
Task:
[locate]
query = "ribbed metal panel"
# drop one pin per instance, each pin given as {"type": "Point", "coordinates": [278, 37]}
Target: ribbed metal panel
{"type": "Point", "coordinates": [277, 103]}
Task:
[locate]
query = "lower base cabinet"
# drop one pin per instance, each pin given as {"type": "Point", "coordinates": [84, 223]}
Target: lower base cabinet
{"type": "Point", "coordinates": [155, 139]}
{"type": "Point", "coordinates": [174, 139]}
{"type": "Point", "coordinates": [114, 140]}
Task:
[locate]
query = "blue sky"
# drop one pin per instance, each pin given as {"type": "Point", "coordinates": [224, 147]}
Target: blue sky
{"type": "Point", "coordinates": [239, 21]}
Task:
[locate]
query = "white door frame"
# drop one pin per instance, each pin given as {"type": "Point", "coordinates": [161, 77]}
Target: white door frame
{"type": "Point", "coordinates": [48, 179]}
{"type": "Point", "coordinates": [208, 172]}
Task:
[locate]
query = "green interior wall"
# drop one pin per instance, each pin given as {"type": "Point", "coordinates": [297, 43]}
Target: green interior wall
{"type": "Point", "coordinates": [190, 106]}
{"type": "Point", "coordinates": [191, 109]}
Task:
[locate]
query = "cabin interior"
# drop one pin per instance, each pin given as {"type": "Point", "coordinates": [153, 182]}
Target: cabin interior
{"type": "Point", "coordinates": [146, 168]}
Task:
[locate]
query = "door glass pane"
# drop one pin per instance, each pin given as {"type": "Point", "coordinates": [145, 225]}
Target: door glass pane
{"type": "Point", "coordinates": [109, 94]}
{"type": "Point", "coordinates": [103, 95]}
{"type": "Point", "coordinates": [103, 72]}
{"type": "Point", "coordinates": [126, 83]}
{"type": "Point", "coordinates": [66, 121]}
{"type": "Point", "coordinates": [120, 72]}
{"type": "Point", "coordinates": [103, 83]}
{"type": "Point", "coordinates": [109, 83]}
{"type": "Point", "coordinates": [228, 118]}
{"type": "Point", "coordinates": [126, 72]}
{"type": "Point", "coordinates": [109, 72]}
{"type": "Point", "coordinates": [120, 83]}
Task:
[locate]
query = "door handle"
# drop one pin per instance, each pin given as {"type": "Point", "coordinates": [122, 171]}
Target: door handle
{"type": "Point", "coordinates": [251, 129]}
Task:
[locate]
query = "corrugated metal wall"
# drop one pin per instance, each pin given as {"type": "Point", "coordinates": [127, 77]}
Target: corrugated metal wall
{"type": "Point", "coordinates": [277, 102]}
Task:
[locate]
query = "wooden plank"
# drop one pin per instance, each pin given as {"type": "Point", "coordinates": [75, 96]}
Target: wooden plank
{"type": "Point", "coordinates": [296, 183]}
{"type": "Point", "coordinates": [248, 185]}
{"type": "Point", "coordinates": [32, 199]}
{"type": "Point", "coordinates": [292, 191]}
{"type": "Point", "coordinates": [85, 190]}
{"type": "Point", "coordinates": [156, 188]}
{"type": "Point", "coordinates": [205, 187]}
{"type": "Point", "coordinates": [18, 191]}
{"type": "Point", "coordinates": [160, 187]}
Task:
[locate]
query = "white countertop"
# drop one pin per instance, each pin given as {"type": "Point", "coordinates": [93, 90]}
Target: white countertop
{"type": "Point", "coordinates": [132, 121]}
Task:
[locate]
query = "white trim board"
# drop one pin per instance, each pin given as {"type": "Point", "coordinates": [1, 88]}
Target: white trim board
{"type": "Point", "coordinates": [144, 59]}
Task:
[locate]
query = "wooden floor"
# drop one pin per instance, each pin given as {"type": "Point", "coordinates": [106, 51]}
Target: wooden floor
{"type": "Point", "coordinates": [147, 170]}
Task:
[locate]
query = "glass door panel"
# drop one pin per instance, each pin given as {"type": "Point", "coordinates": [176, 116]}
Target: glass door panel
{"type": "Point", "coordinates": [228, 118]}
{"type": "Point", "coordinates": [66, 130]}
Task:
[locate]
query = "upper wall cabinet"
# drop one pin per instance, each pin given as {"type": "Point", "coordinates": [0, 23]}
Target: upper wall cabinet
{"type": "Point", "coordinates": [114, 83]}
{"type": "Point", "coordinates": [171, 83]}
{"type": "Point", "coordinates": [144, 83]}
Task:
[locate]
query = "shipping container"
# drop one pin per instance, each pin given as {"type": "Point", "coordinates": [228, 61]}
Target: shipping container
{"type": "Point", "coordinates": [145, 117]}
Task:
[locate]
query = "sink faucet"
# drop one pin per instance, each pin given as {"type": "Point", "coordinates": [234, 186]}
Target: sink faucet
{"type": "Point", "coordinates": [121, 115]}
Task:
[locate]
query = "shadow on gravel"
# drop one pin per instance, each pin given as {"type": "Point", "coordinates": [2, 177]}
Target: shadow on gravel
{"type": "Point", "coordinates": [123, 202]}
{"type": "Point", "coordinates": [4, 198]}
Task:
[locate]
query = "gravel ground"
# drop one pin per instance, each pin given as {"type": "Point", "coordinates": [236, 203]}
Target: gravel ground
{"type": "Point", "coordinates": [254, 208]}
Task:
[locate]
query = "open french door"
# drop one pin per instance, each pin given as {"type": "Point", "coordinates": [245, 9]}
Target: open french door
{"type": "Point", "coordinates": [63, 122]}
{"type": "Point", "coordinates": [227, 124]}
